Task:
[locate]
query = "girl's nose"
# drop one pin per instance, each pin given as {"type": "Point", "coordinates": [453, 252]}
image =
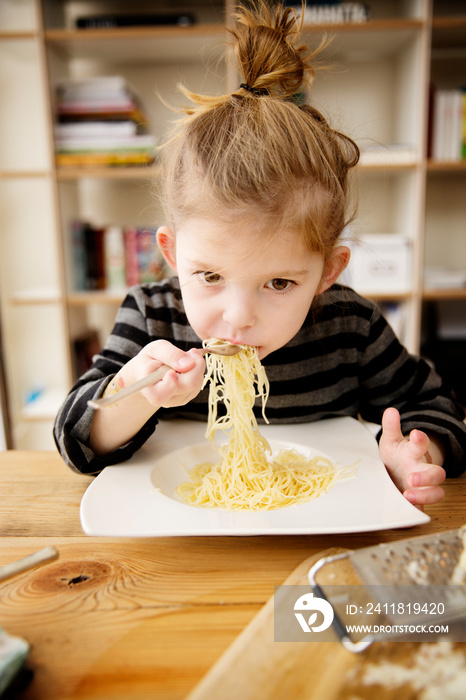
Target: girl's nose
{"type": "Point", "coordinates": [239, 312]}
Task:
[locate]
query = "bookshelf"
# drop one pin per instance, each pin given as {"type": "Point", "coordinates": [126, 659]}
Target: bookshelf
{"type": "Point", "coordinates": [377, 90]}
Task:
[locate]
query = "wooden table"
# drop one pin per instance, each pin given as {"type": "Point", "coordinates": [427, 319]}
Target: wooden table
{"type": "Point", "coordinates": [139, 618]}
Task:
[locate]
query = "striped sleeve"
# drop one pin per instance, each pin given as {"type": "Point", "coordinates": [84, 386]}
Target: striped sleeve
{"type": "Point", "coordinates": [148, 313]}
{"type": "Point", "coordinates": [390, 376]}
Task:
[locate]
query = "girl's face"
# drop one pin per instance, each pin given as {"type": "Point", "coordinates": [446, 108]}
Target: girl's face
{"type": "Point", "coordinates": [236, 288]}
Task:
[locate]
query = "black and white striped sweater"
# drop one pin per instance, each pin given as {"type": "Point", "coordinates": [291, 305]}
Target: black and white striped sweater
{"type": "Point", "coordinates": [345, 361]}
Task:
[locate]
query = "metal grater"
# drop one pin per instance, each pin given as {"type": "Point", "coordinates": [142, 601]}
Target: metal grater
{"type": "Point", "coordinates": [421, 560]}
{"type": "Point", "coordinates": [409, 571]}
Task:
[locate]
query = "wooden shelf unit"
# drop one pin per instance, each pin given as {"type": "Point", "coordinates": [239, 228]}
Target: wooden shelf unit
{"type": "Point", "coordinates": [376, 89]}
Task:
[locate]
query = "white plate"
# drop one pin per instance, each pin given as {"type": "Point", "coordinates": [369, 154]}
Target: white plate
{"type": "Point", "coordinates": [137, 498]}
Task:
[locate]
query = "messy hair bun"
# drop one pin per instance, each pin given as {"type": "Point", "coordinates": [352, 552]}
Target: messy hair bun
{"type": "Point", "coordinates": [257, 152]}
{"type": "Point", "coordinates": [266, 51]}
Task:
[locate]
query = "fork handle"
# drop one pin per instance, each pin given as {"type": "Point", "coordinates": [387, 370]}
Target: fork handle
{"type": "Point", "coordinates": [149, 379]}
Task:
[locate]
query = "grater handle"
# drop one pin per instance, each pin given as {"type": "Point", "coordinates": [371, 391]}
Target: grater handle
{"type": "Point", "coordinates": [347, 642]}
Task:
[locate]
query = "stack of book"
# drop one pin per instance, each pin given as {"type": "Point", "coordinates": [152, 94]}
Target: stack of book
{"type": "Point", "coordinates": [332, 11]}
{"type": "Point", "coordinates": [448, 125]}
{"type": "Point", "coordinates": [100, 122]}
{"type": "Point", "coordinates": [109, 21]}
{"type": "Point", "coordinates": [114, 257]}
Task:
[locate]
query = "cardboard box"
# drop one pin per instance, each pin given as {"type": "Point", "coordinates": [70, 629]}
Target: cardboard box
{"type": "Point", "coordinates": [380, 263]}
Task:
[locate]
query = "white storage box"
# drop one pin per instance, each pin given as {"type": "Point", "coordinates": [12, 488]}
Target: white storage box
{"type": "Point", "coordinates": [380, 262]}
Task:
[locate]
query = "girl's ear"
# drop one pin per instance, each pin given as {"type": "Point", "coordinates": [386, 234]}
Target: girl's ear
{"type": "Point", "coordinates": [166, 243]}
{"type": "Point", "coordinates": [334, 266]}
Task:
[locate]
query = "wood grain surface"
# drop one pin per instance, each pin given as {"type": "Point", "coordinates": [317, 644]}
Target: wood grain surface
{"type": "Point", "coordinates": [141, 618]}
{"type": "Point", "coordinates": [257, 666]}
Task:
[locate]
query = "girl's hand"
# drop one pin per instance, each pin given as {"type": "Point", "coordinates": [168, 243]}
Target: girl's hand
{"type": "Point", "coordinates": [178, 386]}
{"type": "Point", "coordinates": [409, 462]}
{"type": "Point", "coordinates": [116, 425]}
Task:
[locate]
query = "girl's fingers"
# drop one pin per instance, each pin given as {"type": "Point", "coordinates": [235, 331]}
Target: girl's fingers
{"type": "Point", "coordinates": [419, 444]}
{"type": "Point", "coordinates": [424, 496]}
{"type": "Point", "coordinates": [433, 476]}
{"type": "Point", "coordinates": [168, 354]}
{"type": "Point", "coordinates": [391, 426]}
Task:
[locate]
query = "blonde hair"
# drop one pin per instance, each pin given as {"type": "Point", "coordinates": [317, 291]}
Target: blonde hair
{"type": "Point", "coordinates": [257, 152]}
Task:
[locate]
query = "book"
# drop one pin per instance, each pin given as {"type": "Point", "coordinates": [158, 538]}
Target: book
{"type": "Point", "coordinates": [389, 154]}
{"type": "Point", "coordinates": [448, 126]}
{"type": "Point", "coordinates": [182, 19]}
{"type": "Point", "coordinates": [144, 262]}
{"type": "Point", "coordinates": [83, 88]}
{"type": "Point", "coordinates": [101, 151]}
{"type": "Point", "coordinates": [105, 144]}
{"type": "Point", "coordinates": [114, 257]}
{"type": "Point", "coordinates": [85, 347]}
{"type": "Point", "coordinates": [93, 246]}
{"type": "Point", "coordinates": [89, 160]}
{"type": "Point", "coordinates": [94, 130]}
{"type": "Point", "coordinates": [335, 12]}
{"type": "Point", "coordinates": [150, 262]}
{"type": "Point", "coordinates": [78, 254]}
{"type": "Point", "coordinates": [131, 256]}
{"type": "Point", "coordinates": [101, 122]}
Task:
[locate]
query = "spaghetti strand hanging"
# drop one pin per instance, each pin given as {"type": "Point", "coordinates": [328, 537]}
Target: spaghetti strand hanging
{"type": "Point", "coordinates": [245, 477]}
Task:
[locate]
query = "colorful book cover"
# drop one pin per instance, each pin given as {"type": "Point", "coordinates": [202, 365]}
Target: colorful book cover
{"type": "Point", "coordinates": [114, 258]}
{"type": "Point", "coordinates": [151, 263]}
{"type": "Point", "coordinates": [78, 255]}
{"type": "Point", "coordinates": [131, 255]}
{"type": "Point", "coordinates": [95, 272]}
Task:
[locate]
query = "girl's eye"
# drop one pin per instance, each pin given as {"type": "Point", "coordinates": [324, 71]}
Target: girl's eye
{"type": "Point", "coordinates": [210, 277]}
{"type": "Point", "coordinates": [278, 284]}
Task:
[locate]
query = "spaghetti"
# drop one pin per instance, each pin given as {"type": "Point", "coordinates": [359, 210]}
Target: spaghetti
{"type": "Point", "coordinates": [244, 477]}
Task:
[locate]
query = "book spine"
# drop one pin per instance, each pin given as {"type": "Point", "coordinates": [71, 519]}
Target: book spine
{"type": "Point", "coordinates": [457, 125]}
{"type": "Point", "coordinates": [463, 125]}
{"type": "Point", "coordinates": [148, 256]}
{"type": "Point", "coordinates": [131, 255]}
{"type": "Point", "coordinates": [78, 255]}
{"type": "Point", "coordinates": [95, 272]}
{"type": "Point", "coordinates": [184, 19]}
{"type": "Point", "coordinates": [448, 125]}
{"type": "Point", "coordinates": [438, 125]}
{"type": "Point", "coordinates": [114, 258]}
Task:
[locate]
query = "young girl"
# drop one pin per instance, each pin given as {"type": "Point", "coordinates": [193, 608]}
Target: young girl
{"type": "Point", "coordinates": [256, 198]}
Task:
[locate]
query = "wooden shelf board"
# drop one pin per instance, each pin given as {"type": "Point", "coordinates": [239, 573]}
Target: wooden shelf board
{"type": "Point", "coordinates": [29, 297]}
{"type": "Point", "coordinates": [115, 173]}
{"type": "Point", "coordinates": [434, 294]}
{"type": "Point", "coordinates": [167, 44]}
{"type": "Point", "coordinates": [65, 35]}
{"type": "Point", "coordinates": [164, 44]}
{"type": "Point", "coordinates": [99, 297]}
{"type": "Point", "coordinates": [23, 174]}
{"type": "Point", "coordinates": [387, 296]}
{"type": "Point", "coordinates": [138, 173]}
{"type": "Point", "coordinates": [449, 22]}
{"type": "Point", "coordinates": [446, 165]}
{"type": "Point", "coordinates": [101, 34]}
{"type": "Point", "coordinates": [18, 34]}
{"type": "Point", "coordinates": [384, 166]}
